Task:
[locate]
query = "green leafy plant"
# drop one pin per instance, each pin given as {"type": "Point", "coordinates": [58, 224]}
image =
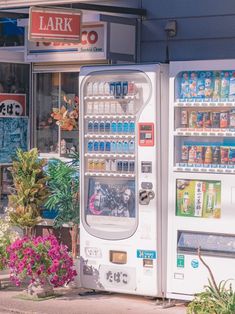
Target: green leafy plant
{"type": "Point", "coordinates": [216, 299]}
{"type": "Point", "coordinates": [29, 191]}
{"type": "Point", "coordinates": [63, 184]}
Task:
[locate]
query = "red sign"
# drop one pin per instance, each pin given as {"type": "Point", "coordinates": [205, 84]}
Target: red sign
{"type": "Point", "coordinates": [12, 105]}
{"type": "Point", "coordinates": [54, 24]}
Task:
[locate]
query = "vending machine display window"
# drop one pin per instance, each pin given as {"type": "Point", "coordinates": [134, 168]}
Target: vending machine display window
{"type": "Point", "coordinates": [214, 244]}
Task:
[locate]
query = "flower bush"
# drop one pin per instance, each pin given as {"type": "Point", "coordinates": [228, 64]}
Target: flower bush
{"type": "Point", "coordinates": [7, 236]}
{"type": "Point", "coordinates": [42, 259]}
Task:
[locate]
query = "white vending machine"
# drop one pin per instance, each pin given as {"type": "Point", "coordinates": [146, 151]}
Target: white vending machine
{"type": "Point", "coordinates": [201, 208]}
{"type": "Point", "coordinates": [123, 183]}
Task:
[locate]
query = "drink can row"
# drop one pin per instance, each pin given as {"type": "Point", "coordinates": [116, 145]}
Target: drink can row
{"type": "Point", "coordinates": [196, 154]}
{"type": "Point", "coordinates": [111, 146]}
{"type": "Point", "coordinates": [118, 89]}
{"type": "Point", "coordinates": [208, 119]}
{"type": "Point", "coordinates": [110, 165]}
{"type": "Point", "coordinates": [106, 107]}
{"type": "Point", "coordinates": [107, 126]}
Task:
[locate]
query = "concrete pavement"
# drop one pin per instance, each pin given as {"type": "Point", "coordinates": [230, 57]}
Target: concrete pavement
{"type": "Point", "coordinates": [70, 302]}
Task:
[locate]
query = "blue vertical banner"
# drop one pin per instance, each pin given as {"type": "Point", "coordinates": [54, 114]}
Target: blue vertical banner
{"type": "Point", "coordinates": [14, 134]}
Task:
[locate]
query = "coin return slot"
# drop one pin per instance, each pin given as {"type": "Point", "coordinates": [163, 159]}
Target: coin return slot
{"type": "Point", "coordinates": [148, 263]}
{"type": "Point", "coordinates": [118, 257]}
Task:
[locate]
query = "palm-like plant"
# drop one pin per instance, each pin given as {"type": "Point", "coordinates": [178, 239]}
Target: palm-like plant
{"type": "Point", "coordinates": [63, 184]}
{"type": "Point", "coordinates": [29, 191]}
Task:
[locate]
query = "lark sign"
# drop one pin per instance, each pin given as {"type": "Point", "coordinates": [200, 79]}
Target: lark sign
{"type": "Point", "coordinates": [54, 24]}
{"type": "Point", "coordinates": [12, 105]}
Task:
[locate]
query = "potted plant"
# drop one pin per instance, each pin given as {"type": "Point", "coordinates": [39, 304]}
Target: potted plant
{"type": "Point", "coordinates": [63, 184]}
{"type": "Point", "coordinates": [7, 236]}
{"type": "Point", "coordinates": [215, 299]}
{"type": "Point", "coordinates": [29, 191]}
{"type": "Point", "coordinates": [42, 260]}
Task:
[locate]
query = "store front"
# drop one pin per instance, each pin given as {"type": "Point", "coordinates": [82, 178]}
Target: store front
{"type": "Point", "coordinates": [48, 74]}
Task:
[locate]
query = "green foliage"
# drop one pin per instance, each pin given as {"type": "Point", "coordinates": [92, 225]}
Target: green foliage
{"type": "Point", "coordinates": [63, 184]}
{"type": "Point", "coordinates": [216, 299]}
{"type": "Point", "coordinates": [30, 190]}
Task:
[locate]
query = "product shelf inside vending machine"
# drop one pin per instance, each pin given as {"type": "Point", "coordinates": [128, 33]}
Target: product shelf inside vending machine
{"type": "Point", "coordinates": [110, 155]}
{"type": "Point", "coordinates": [124, 136]}
{"type": "Point", "coordinates": [109, 174]}
{"type": "Point", "coordinates": [110, 98]}
{"type": "Point", "coordinates": [227, 169]}
{"type": "Point", "coordinates": [203, 104]}
{"type": "Point", "coordinates": [204, 132]}
{"type": "Point", "coordinates": [109, 117]}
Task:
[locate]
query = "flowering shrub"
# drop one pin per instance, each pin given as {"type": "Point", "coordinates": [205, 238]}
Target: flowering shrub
{"type": "Point", "coordinates": [42, 259]}
{"type": "Point", "coordinates": [7, 236]}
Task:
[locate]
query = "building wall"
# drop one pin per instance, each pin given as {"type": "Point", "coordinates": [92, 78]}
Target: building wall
{"type": "Point", "coordinates": [206, 30]}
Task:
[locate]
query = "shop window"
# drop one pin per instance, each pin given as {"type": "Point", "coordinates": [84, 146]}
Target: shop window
{"type": "Point", "coordinates": [11, 34]}
{"type": "Point", "coordinates": [55, 96]}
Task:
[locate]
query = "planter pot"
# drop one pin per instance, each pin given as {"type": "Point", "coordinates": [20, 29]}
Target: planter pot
{"type": "Point", "coordinates": [36, 289]}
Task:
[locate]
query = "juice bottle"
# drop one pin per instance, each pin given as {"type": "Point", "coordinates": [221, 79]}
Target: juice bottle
{"type": "Point", "coordinates": [210, 199]}
{"type": "Point", "coordinates": [225, 82]}
{"type": "Point", "coordinates": [185, 202]}
{"type": "Point", "coordinates": [217, 86]}
{"type": "Point", "coordinates": [184, 86]}
{"type": "Point", "coordinates": [201, 85]}
{"type": "Point", "coordinates": [184, 118]}
{"type": "Point", "coordinates": [193, 84]}
{"type": "Point", "coordinates": [232, 87]}
{"type": "Point", "coordinates": [209, 85]}
{"type": "Point", "coordinates": [208, 155]}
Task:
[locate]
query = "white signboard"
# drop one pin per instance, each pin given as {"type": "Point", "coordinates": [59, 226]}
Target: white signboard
{"type": "Point", "coordinates": [92, 47]}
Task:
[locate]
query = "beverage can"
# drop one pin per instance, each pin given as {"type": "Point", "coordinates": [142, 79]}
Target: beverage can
{"type": "Point", "coordinates": [193, 119]}
{"type": "Point", "coordinates": [125, 146]}
{"type": "Point", "coordinates": [118, 89]}
{"type": "Point", "coordinates": [112, 88]}
{"type": "Point", "coordinates": [231, 156]}
{"type": "Point", "coordinates": [193, 84]}
{"type": "Point", "coordinates": [113, 146]}
{"type": "Point", "coordinates": [89, 89]}
{"type": "Point", "coordinates": [107, 165]}
{"type": "Point", "coordinates": [119, 147]}
{"type": "Point", "coordinates": [106, 108]}
{"type": "Point", "coordinates": [107, 126]}
{"type": "Point", "coordinates": [125, 126]}
{"type": "Point", "coordinates": [119, 165]}
{"type": "Point", "coordinates": [184, 153]}
{"type": "Point", "coordinates": [124, 88]}
{"type": "Point", "coordinates": [132, 126]}
{"type": "Point", "coordinates": [184, 118]}
{"type": "Point", "coordinates": [131, 166]}
{"type": "Point", "coordinates": [90, 165]}
{"type": "Point", "coordinates": [96, 165]}
{"type": "Point", "coordinates": [95, 88]}
{"type": "Point", "coordinates": [207, 119]}
{"type": "Point", "coordinates": [215, 117]}
{"type": "Point", "coordinates": [131, 146]}
{"type": "Point", "coordinates": [113, 166]}
{"type": "Point", "coordinates": [101, 126]}
{"type": "Point", "coordinates": [125, 165]}
{"type": "Point", "coordinates": [101, 88]}
{"type": "Point", "coordinates": [113, 126]}
{"type": "Point", "coordinates": [96, 146]}
{"type": "Point", "coordinates": [131, 88]}
{"type": "Point", "coordinates": [102, 166]}
{"type": "Point", "coordinates": [90, 146]}
{"type": "Point", "coordinates": [209, 85]}
{"type": "Point", "coordinates": [224, 155]}
{"type": "Point", "coordinates": [96, 126]}
{"type": "Point", "coordinates": [232, 118]}
{"type": "Point", "coordinates": [216, 155]}
{"type": "Point", "coordinates": [223, 119]}
{"type": "Point", "coordinates": [101, 146]}
{"type": "Point", "coordinates": [113, 108]}
{"type": "Point", "coordinates": [119, 127]}
{"type": "Point", "coordinates": [107, 146]}
{"type": "Point", "coordinates": [208, 155]}
{"type": "Point", "coordinates": [101, 108]}
{"type": "Point", "coordinates": [106, 88]}
{"type": "Point", "coordinates": [199, 119]}
{"type": "Point", "coordinates": [199, 155]}
{"type": "Point", "coordinates": [90, 126]}
{"type": "Point", "coordinates": [184, 86]}
{"type": "Point", "coordinates": [89, 108]}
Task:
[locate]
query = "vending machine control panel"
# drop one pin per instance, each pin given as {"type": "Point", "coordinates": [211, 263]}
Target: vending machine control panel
{"type": "Point", "coordinates": [146, 134]}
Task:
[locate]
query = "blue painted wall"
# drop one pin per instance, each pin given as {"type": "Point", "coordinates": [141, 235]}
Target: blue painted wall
{"type": "Point", "coordinates": [206, 29]}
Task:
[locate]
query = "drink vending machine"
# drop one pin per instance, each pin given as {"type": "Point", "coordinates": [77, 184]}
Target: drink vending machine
{"type": "Point", "coordinates": [201, 175]}
{"type": "Point", "coordinates": [123, 132]}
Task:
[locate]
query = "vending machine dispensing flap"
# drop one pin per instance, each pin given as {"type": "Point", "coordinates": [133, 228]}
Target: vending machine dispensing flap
{"type": "Point", "coordinates": [213, 244]}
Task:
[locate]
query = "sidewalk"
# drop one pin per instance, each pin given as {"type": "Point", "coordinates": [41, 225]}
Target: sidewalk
{"type": "Point", "coordinates": [70, 302]}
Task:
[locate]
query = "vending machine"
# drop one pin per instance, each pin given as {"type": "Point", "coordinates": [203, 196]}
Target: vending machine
{"type": "Point", "coordinates": [201, 175]}
{"type": "Point", "coordinates": [123, 135]}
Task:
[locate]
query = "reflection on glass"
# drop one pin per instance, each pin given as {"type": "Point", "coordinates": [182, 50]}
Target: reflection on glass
{"type": "Point", "coordinates": [47, 97]}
